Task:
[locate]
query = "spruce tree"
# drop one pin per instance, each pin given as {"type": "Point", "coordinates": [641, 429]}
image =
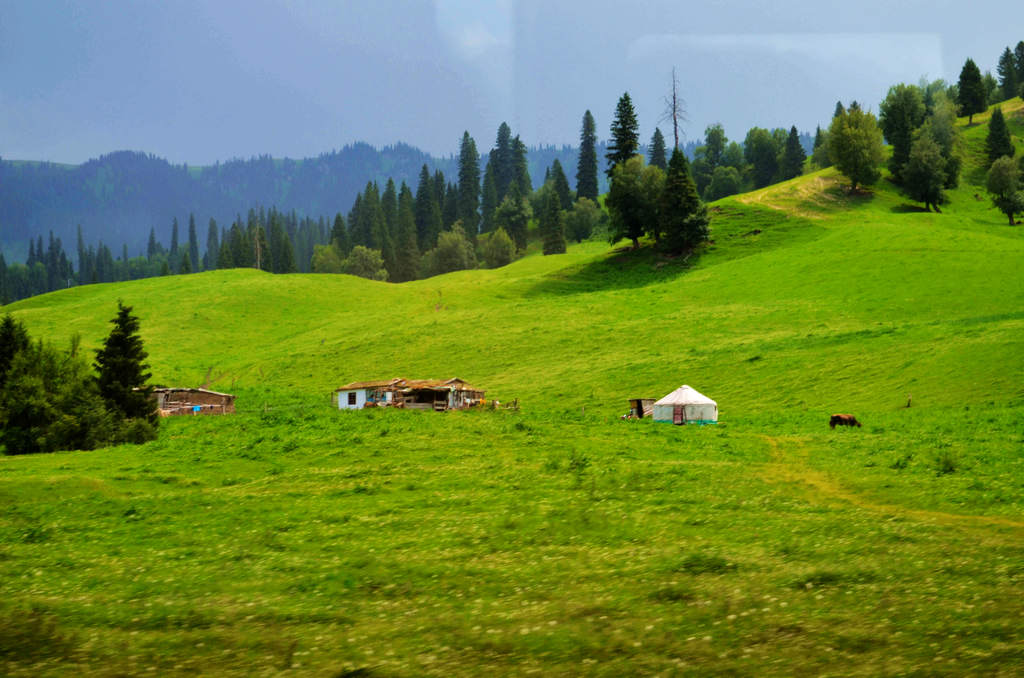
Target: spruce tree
{"type": "Point", "coordinates": [971, 91]}
{"type": "Point", "coordinates": [339, 236]}
{"type": "Point", "coordinates": [407, 254]}
{"type": "Point", "coordinates": [1018, 58]}
{"type": "Point", "coordinates": [121, 370]}
{"type": "Point", "coordinates": [521, 167]}
{"type": "Point", "coordinates": [13, 340]}
{"type": "Point", "coordinates": [174, 255]}
{"type": "Point", "coordinates": [656, 150]}
{"type": "Point", "coordinates": [152, 249]}
{"type": "Point", "coordinates": [186, 264]}
{"type": "Point", "coordinates": [428, 213]}
{"type": "Point", "coordinates": [551, 224]}
{"type": "Point", "coordinates": [561, 185]}
{"type": "Point", "coordinates": [586, 165]}
{"type": "Point", "coordinates": [489, 199]}
{"type": "Point", "coordinates": [212, 246]}
{"type": "Point", "coordinates": [193, 244]}
{"type": "Point", "coordinates": [1007, 69]}
{"type": "Point", "coordinates": [683, 218]}
{"type": "Point", "coordinates": [389, 207]}
{"type": "Point", "coordinates": [501, 162]}
{"type": "Point", "coordinates": [625, 135]}
{"type": "Point", "coordinates": [4, 295]}
{"type": "Point", "coordinates": [469, 186]}
{"type": "Point", "coordinates": [998, 142]}
{"type": "Point", "coordinates": [449, 207]}
{"type": "Point", "coordinates": [793, 156]}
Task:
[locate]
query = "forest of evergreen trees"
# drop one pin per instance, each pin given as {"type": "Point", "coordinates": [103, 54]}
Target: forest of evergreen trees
{"type": "Point", "coordinates": [399, 214]}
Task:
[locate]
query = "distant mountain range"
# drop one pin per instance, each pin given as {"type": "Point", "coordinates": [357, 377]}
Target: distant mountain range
{"type": "Point", "coordinates": [117, 198]}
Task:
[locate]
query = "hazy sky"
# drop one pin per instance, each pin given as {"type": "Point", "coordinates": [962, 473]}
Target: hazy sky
{"type": "Point", "coordinates": [200, 81]}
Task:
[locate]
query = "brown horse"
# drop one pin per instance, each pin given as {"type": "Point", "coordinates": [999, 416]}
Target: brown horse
{"type": "Point", "coordinates": [843, 420]}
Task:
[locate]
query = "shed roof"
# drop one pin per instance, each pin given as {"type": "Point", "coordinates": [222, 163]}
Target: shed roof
{"type": "Point", "coordinates": [685, 395]}
{"type": "Point", "coordinates": [401, 383]}
{"type": "Point", "coordinates": [174, 389]}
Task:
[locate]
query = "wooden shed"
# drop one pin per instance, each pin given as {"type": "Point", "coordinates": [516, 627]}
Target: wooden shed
{"type": "Point", "coordinates": [192, 401]}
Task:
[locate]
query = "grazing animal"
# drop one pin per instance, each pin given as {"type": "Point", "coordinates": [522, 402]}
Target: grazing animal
{"type": "Point", "coordinates": [843, 420]}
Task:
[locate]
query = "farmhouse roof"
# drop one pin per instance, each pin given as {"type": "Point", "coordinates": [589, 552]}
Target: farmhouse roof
{"type": "Point", "coordinates": [406, 384]}
{"type": "Point", "coordinates": [176, 389]}
{"type": "Point", "coordinates": [684, 395]}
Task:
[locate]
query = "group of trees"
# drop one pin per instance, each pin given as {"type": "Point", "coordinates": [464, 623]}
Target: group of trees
{"type": "Point", "coordinates": [50, 400]}
{"type": "Point", "coordinates": [482, 217]}
{"type": "Point", "coordinates": [645, 199]}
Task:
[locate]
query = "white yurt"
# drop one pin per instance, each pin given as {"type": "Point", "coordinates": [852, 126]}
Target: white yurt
{"type": "Point", "coordinates": [686, 406]}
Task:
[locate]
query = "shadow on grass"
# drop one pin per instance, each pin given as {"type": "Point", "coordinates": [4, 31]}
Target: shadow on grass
{"type": "Point", "coordinates": [623, 268]}
{"type": "Point", "coordinates": [906, 208]}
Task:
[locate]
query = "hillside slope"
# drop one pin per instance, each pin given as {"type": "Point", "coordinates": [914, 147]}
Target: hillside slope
{"type": "Point", "coordinates": [559, 539]}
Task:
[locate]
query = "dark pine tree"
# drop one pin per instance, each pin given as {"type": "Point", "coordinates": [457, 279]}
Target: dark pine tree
{"type": "Point", "coordinates": [1007, 69]}
{"type": "Point", "coordinates": [174, 255]}
{"type": "Point", "coordinates": [428, 213]}
{"type": "Point", "coordinates": [551, 224]}
{"type": "Point", "coordinates": [449, 207]}
{"type": "Point", "coordinates": [193, 244]}
{"type": "Point", "coordinates": [121, 370]}
{"type": "Point", "coordinates": [407, 253]}
{"type": "Point", "coordinates": [625, 131]}
{"type": "Point", "coordinates": [339, 235]}
{"type": "Point", "coordinates": [998, 142]}
{"type": "Point", "coordinates": [793, 156]}
{"type": "Point", "coordinates": [469, 186]}
{"type": "Point", "coordinates": [683, 217]}
{"type": "Point", "coordinates": [502, 162]}
{"type": "Point", "coordinates": [489, 199]}
{"type": "Point", "coordinates": [212, 246]}
{"type": "Point", "coordinates": [971, 91]}
{"type": "Point", "coordinates": [561, 186]}
{"type": "Point", "coordinates": [586, 165]}
{"type": "Point", "coordinates": [521, 168]}
{"type": "Point", "coordinates": [656, 150]}
{"type": "Point", "coordinates": [13, 340]}
{"type": "Point", "coordinates": [1018, 58]}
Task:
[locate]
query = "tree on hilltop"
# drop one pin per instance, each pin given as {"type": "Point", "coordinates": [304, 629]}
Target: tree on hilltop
{"type": "Point", "coordinates": [793, 156]}
{"type": "Point", "coordinates": [625, 139]}
{"type": "Point", "coordinates": [1007, 69]}
{"type": "Point", "coordinates": [971, 93]}
{"type": "Point", "coordinates": [998, 142]}
{"type": "Point", "coordinates": [855, 146]}
{"type": "Point", "coordinates": [683, 217]}
{"type": "Point", "coordinates": [469, 186]}
{"type": "Point", "coordinates": [899, 115]}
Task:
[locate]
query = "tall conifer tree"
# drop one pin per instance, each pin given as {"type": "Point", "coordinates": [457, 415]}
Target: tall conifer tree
{"type": "Point", "coordinates": [1007, 69]}
{"type": "Point", "coordinates": [998, 142]}
{"type": "Point", "coordinates": [407, 254]}
{"type": "Point", "coordinates": [489, 199]}
{"type": "Point", "coordinates": [502, 162]}
{"type": "Point", "coordinates": [428, 213]}
{"type": "Point", "coordinates": [521, 168]}
{"type": "Point", "coordinates": [560, 185]}
{"type": "Point", "coordinates": [586, 165]}
{"type": "Point", "coordinates": [971, 91]}
{"type": "Point", "coordinates": [121, 370]}
{"type": "Point", "coordinates": [212, 246]}
{"type": "Point", "coordinates": [469, 186]}
{"type": "Point", "coordinates": [656, 150]}
{"type": "Point", "coordinates": [793, 156]}
{"type": "Point", "coordinates": [193, 244]}
{"type": "Point", "coordinates": [683, 218]}
{"type": "Point", "coordinates": [625, 134]}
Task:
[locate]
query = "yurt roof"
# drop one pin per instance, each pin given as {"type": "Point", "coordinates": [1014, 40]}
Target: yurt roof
{"type": "Point", "coordinates": [684, 395]}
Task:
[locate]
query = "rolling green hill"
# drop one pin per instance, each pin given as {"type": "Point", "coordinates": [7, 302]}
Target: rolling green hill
{"type": "Point", "coordinates": [559, 539]}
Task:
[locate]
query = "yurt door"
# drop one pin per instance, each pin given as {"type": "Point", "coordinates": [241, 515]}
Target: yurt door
{"type": "Point", "coordinates": [677, 414]}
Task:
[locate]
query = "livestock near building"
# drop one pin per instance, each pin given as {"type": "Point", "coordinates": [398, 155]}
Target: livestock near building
{"type": "Point", "coordinates": [843, 420]}
{"type": "Point", "coordinates": [417, 394]}
{"type": "Point", "coordinates": [686, 405]}
{"type": "Point", "coordinates": [192, 401]}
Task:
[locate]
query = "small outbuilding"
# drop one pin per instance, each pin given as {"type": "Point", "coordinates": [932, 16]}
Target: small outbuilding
{"type": "Point", "coordinates": [686, 405]}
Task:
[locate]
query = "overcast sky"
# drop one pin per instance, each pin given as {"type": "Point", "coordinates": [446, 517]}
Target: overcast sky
{"type": "Point", "coordinates": [198, 82]}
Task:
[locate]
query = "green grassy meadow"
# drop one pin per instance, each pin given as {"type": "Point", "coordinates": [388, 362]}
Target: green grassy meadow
{"type": "Point", "coordinates": [293, 539]}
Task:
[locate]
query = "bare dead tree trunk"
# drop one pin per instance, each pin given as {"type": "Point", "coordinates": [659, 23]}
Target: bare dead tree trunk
{"type": "Point", "coordinates": [675, 108]}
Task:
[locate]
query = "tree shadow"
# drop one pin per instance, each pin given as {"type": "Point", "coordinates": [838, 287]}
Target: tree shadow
{"type": "Point", "coordinates": [907, 208]}
{"type": "Point", "coordinates": [623, 268]}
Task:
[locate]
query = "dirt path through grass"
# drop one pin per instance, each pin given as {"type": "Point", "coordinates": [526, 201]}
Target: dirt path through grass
{"type": "Point", "coordinates": [790, 465]}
